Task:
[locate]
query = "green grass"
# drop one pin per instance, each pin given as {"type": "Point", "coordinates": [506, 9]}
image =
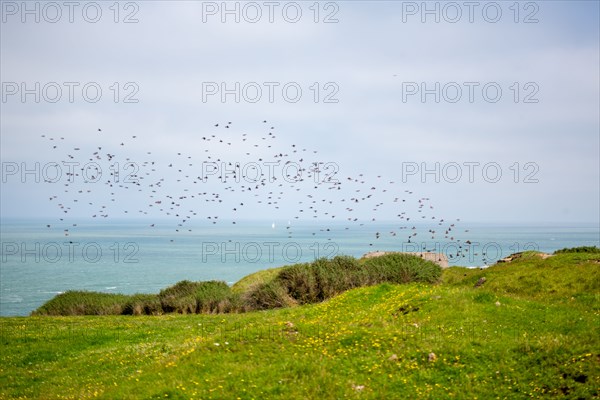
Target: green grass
{"type": "Point", "coordinates": [255, 278]}
{"type": "Point", "coordinates": [530, 331]}
{"type": "Point", "coordinates": [548, 280]}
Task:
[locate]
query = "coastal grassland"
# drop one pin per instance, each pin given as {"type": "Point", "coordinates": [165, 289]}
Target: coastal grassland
{"type": "Point", "coordinates": [322, 279]}
{"type": "Point", "coordinates": [275, 288]}
{"type": "Point", "coordinates": [530, 331]}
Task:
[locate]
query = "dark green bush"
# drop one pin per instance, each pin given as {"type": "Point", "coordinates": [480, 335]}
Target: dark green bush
{"type": "Point", "coordinates": [401, 268]}
{"type": "Point", "coordinates": [83, 303]}
{"type": "Point", "coordinates": [188, 297]}
{"type": "Point", "coordinates": [337, 275]}
{"type": "Point", "coordinates": [581, 249]}
{"type": "Point", "coordinates": [180, 298]}
{"type": "Point", "coordinates": [213, 297]}
{"type": "Point", "coordinates": [267, 295]}
{"type": "Point", "coordinates": [299, 282]}
{"type": "Point", "coordinates": [322, 279]}
{"type": "Point", "coordinates": [143, 304]}
{"type": "Point", "coordinates": [296, 284]}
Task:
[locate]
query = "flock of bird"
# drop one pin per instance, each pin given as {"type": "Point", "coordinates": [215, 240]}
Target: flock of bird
{"type": "Point", "coordinates": [231, 176]}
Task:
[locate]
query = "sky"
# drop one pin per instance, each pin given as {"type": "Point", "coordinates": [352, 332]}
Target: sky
{"type": "Point", "coordinates": [488, 111]}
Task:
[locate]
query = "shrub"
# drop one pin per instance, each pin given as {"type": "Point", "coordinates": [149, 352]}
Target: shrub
{"type": "Point", "coordinates": [230, 304]}
{"type": "Point", "coordinates": [337, 275]}
{"type": "Point", "coordinates": [581, 249]}
{"type": "Point", "coordinates": [213, 296]}
{"type": "Point", "coordinates": [263, 296]}
{"type": "Point", "coordinates": [300, 283]}
{"type": "Point", "coordinates": [143, 304]}
{"type": "Point", "coordinates": [322, 279]}
{"type": "Point", "coordinates": [401, 268]}
{"type": "Point", "coordinates": [296, 284]}
{"type": "Point", "coordinates": [179, 298]}
{"type": "Point", "coordinates": [188, 297]}
{"type": "Point", "coordinates": [83, 303]}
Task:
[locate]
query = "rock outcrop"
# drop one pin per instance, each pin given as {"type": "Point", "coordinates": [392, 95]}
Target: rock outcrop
{"type": "Point", "coordinates": [480, 282]}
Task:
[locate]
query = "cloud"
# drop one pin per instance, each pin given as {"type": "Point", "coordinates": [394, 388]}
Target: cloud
{"type": "Point", "coordinates": [364, 61]}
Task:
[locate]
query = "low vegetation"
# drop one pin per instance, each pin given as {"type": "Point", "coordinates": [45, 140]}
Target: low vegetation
{"type": "Point", "coordinates": [582, 249]}
{"type": "Point", "coordinates": [279, 287]}
{"type": "Point", "coordinates": [528, 330]}
{"type": "Point", "coordinates": [75, 302]}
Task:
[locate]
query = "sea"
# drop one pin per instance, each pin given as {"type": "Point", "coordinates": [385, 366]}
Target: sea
{"type": "Point", "coordinates": [130, 256]}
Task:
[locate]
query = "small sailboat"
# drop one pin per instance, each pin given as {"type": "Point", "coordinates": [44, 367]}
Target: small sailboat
{"type": "Point", "coordinates": [273, 225]}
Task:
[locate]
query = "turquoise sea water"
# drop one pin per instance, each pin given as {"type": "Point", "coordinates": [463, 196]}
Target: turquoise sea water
{"type": "Point", "coordinates": [131, 257]}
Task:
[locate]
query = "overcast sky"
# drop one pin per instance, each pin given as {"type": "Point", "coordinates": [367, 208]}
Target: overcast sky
{"type": "Point", "coordinates": [385, 90]}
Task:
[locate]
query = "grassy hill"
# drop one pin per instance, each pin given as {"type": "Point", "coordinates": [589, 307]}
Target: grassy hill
{"type": "Point", "coordinates": [531, 330]}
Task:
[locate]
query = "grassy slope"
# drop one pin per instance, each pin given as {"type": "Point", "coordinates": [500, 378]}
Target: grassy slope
{"type": "Point", "coordinates": [255, 278]}
{"type": "Point", "coordinates": [531, 330]}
